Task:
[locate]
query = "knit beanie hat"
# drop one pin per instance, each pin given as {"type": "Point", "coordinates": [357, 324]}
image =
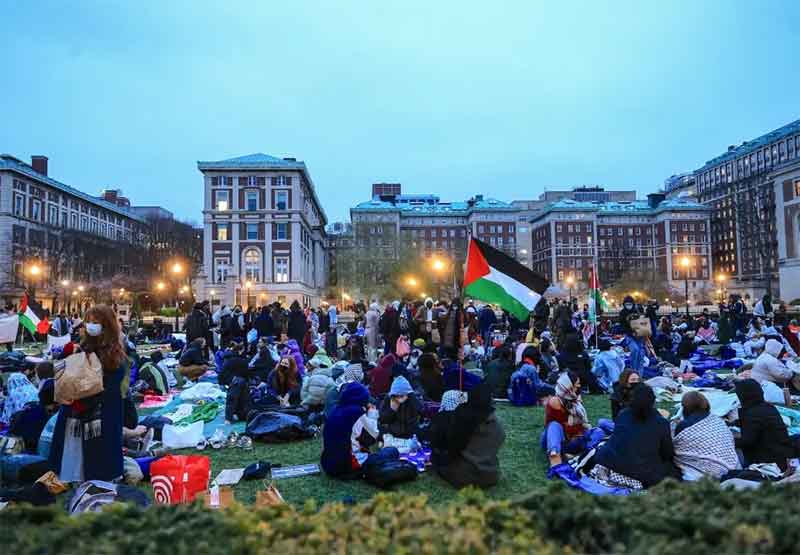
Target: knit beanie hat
{"type": "Point", "coordinates": [400, 386]}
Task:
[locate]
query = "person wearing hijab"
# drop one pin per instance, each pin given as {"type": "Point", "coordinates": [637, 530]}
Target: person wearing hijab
{"type": "Point", "coordinates": [565, 419]}
{"type": "Point", "coordinates": [768, 367]}
{"type": "Point", "coordinates": [466, 437]}
{"type": "Point", "coordinates": [20, 392]}
{"type": "Point", "coordinates": [763, 438]}
{"type": "Point", "coordinates": [641, 446]}
{"type": "Point", "coordinates": [607, 366]}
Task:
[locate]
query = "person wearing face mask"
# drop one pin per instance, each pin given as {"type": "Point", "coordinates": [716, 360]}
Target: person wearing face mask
{"type": "Point", "coordinates": [621, 396]}
{"type": "Point", "coordinates": [87, 440]}
{"type": "Point", "coordinates": [399, 412]}
{"type": "Point", "coordinates": [628, 308]}
{"type": "Point", "coordinates": [426, 319]}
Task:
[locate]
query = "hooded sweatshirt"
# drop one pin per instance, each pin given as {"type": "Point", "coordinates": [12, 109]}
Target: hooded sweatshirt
{"type": "Point", "coordinates": [768, 368]}
{"type": "Point", "coordinates": [764, 438]}
{"type": "Point", "coordinates": [341, 448]}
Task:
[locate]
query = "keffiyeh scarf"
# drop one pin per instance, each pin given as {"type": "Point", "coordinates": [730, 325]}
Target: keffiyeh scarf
{"type": "Point", "coordinates": [451, 399]}
{"type": "Point", "coordinates": [20, 392]}
{"type": "Point", "coordinates": [571, 402]}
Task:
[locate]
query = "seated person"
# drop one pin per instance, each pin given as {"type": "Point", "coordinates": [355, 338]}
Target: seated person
{"type": "Point", "coordinates": [284, 382]}
{"type": "Point", "coordinates": [608, 365]}
{"type": "Point", "coordinates": [430, 370]}
{"type": "Point", "coordinates": [573, 357]}
{"type": "Point", "coordinates": [662, 341]}
{"type": "Point", "coordinates": [234, 363]}
{"type": "Point", "coordinates": [399, 412]}
{"type": "Point", "coordinates": [20, 392]}
{"type": "Point", "coordinates": [529, 370]}
{"type": "Point", "coordinates": [641, 446]}
{"type": "Point", "coordinates": [498, 372]}
{"type": "Point", "coordinates": [44, 371]}
{"type": "Point", "coordinates": [763, 438]}
{"type": "Point", "coordinates": [454, 375]}
{"type": "Point", "coordinates": [380, 377]}
{"type": "Point", "coordinates": [768, 366]}
{"type": "Point", "coordinates": [466, 437]}
{"type": "Point", "coordinates": [193, 363]}
{"type": "Point", "coordinates": [621, 397]}
{"type": "Point", "coordinates": [349, 433]}
{"type": "Point", "coordinates": [703, 443]}
{"type": "Point", "coordinates": [565, 419]}
{"type": "Point", "coordinates": [262, 362]}
{"type": "Point", "coordinates": [706, 333]}
{"type": "Point", "coordinates": [549, 369]}
{"type": "Point", "coordinates": [755, 337]}
{"type": "Point", "coordinates": [686, 348]}
{"type": "Point", "coordinates": [354, 373]}
{"type": "Point", "coordinates": [317, 383]}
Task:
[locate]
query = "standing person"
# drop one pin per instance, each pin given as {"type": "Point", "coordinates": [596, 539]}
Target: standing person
{"type": "Point", "coordinates": [739, 313]}
{"type": "Point", "coordinates": [264, 324]}
{"type": "Point", "coordinates": [196, 324]}
{"type": "Point", "coordinates": [628, 308]}
{"type": "Point", "coordinates": [371, 330]}
{"type": "Point", "coordinates": [279, 320]}
{"type": "Point", "coordinates": [452, 336]}
{"type": "Point", "coordinates": [486, 319]}
{"type": "Point", "coordinates": [425, 320]}
{"type": "Point", "coordinates": [60, 326]}
{"type": "Point", "coordinates": [390, 327]}
{"type": "Point", "coordinates": [296, 325]}
{"type": "Point", "coordinates": [87, 440]}
{"type": "Point", "coordinates": [763, 308]}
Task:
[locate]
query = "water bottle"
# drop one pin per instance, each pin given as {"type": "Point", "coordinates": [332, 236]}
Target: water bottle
{"type": "Point", "coordinates": [414, 445]}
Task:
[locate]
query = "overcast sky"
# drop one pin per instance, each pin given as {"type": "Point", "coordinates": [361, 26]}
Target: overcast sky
{"type": "Point", "coordinates": [453, 98]}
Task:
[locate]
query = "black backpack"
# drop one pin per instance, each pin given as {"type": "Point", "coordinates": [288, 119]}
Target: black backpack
{"type": "Point", "coordinates": [387, 474]}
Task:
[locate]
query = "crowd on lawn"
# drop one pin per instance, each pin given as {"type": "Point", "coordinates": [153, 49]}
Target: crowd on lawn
{"type": "Point", "coordinates": [424, 377]}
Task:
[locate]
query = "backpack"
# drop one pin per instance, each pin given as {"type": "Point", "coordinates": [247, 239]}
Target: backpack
{"type": "Point", "coordinates": [155, 377]}
{"type": "Point", "coordinates": [389, 473]}
{"type": "Point", "coordinates": [522, 392]}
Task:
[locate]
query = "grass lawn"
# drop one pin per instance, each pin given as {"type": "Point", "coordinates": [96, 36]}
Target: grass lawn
{"type": "Point", "coordinates": [521, 459]}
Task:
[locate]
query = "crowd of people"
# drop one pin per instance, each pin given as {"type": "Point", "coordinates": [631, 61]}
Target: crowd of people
{"type": "Point", "coordinates": [429, 374]}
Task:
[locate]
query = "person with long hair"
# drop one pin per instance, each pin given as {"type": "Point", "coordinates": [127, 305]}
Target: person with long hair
{"type": "Point", "coordinates": [87, 441]}
{"type": "Point", "coordinates": [284, 382]}
{"type": "Point", "coordinates": [621, 396]}
{"type": "Point", "coordinates": [639, 453]}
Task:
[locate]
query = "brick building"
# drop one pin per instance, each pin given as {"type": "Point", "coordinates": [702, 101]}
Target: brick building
{"type": "Point", "coordinates": [637, 240]}
{"type": "Point", "coordinates": [263, 232]}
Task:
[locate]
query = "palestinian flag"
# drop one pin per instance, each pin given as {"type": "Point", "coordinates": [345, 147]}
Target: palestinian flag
{"type": "Point", "coordinates": [597, 304]}
{"type": "Point", "coordinates": [495, 277]}
{"type": "Point", "coordinates": [32, 316]}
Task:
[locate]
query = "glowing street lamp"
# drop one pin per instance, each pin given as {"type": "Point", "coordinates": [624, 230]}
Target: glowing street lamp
{"type": "Point", "coordinates": [211, 294]}
{"type": "Point", "coordinates": [685, 262]}
{"type": "Point", "coordinates": [35, 270]}
{"type": "Point", "coordinates": [64, 283]}
{"type": "Point", "coordinates": [80, 288]}
{"type": "Point", "coordinates": [570, 282]}
{"type": "Point", "coordinates": [177, 268]}
{"type": "Point", "coordinates": [412, 282]}
{"type": "Point", "coordinates": [160, 286]}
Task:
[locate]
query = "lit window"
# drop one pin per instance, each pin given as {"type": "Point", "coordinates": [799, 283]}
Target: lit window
{"type": "Point", "coordinates": [222, 232]}
{"type": "Point", "coordinates": [282, 269]}
{"type": "Point", "coordinates": [223, 200]}
{"type": "Point", "coordinates": [252, 265]}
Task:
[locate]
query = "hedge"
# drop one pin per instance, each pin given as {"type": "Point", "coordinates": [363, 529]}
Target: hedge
{"type": "Point", "coordinates": [673, 518]}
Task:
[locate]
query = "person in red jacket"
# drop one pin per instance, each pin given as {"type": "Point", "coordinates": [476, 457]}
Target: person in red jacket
{"type": "Point", "coordinates": [380, 377]}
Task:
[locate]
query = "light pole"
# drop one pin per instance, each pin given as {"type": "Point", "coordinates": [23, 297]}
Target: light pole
{"type": "Point", "coordinates": [247, 285]}
{"type": "Point", "coordinates": [570, 283]}
{"type": "Point", "coordinates": [64, 285]}
{"type": "Point", "coordinates": [685, 264]}
{"type": "Point", "coordinates": [177, 270]}
{"type": "Point", "coordinates": [211, 294]}
{"type": "Point", "coordinates": [721, 278]}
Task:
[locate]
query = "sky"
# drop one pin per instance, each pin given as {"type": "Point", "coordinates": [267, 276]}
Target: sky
{"type": "Point", "coordinates": [456, 98]}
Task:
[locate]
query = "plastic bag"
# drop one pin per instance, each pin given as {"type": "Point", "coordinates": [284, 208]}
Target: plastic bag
{"type": "Point", "coordinates": [402, 347]}
{"type": "Point", "coordinates": [179, 437]}
{"type": "Point", "coordinates": [179, 478]}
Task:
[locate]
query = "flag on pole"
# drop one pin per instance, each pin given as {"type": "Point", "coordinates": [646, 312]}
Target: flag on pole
{"type": "Point", "coordinates": [597, 304]}
{"type": "Point", "coordinates": [32, 316]}
{"type": "Point", "coordinates": [495, 277]}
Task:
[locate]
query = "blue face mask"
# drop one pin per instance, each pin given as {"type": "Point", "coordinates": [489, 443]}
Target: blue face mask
{"type": "Point", "coordinates": [94, 329]}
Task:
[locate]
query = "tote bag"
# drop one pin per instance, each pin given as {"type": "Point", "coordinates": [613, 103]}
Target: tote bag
{"type": "Point", "coordinates": [81, 377]}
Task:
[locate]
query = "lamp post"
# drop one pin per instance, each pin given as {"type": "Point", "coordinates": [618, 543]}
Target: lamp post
{"type": "Point", "coordinates": [80, 300]}
{"type": "Point", "coordinates": [34, 271]}
{"type": "Point", "coordinates": [440, 267]}
{"type": "Point", "coordinates": [721, 278]}
{"type": "Point", "coordinates": [570, 283]}
{"type": "Point", "coordinates": [177, 271]}
{"type": "Point", "coordinates": [247, 285]}
{"type": "Point", "coordinates": [211, 295]}
{"type": "Point", "coordinates": [685, 263]}
{"type": "Point", "coordinates": [64, 285]}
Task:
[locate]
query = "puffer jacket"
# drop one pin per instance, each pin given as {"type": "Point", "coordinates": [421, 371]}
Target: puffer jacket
{"type": "Point", "coordinates": [316, 387]}
{"type": "Point", "coordinates": [768, 368]}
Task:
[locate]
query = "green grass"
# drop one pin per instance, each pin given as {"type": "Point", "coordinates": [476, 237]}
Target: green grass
{"type": "Point", "coordinates": [522, 463]}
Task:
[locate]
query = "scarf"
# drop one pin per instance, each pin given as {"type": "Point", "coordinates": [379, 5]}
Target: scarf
{"type": "Point", "coordinates": [568, 398]}
{"type": "Point", "coordinates": [451, 399]}
{"type": "Point", "coordinates": [20, 392]}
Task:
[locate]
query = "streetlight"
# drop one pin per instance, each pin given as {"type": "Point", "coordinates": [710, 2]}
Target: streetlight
{"type": "Point", "coordinates": [247, 285]}
{"type": "Point", "coordinates": [211, 293]}
{"type": "Point", "coordinates": [721, 278]}
{"type": "Point", "coordinates": [160, 286]}
{"type": "Point", "coordinates": [570, 282]}
{"type": "Point", "coordinates": [685, 263]}
{"type": "Point", "coordinates": [412, 282]}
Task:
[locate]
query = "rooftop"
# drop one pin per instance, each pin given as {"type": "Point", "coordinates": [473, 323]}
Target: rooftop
{"type": "Point", "coordinates": [8, 162]}
{"type": "Point", "coordinates": [637, 207]}
{"type": "Point", "coordinates": [750, 146]}
{"type": "Point", "coordinates": [430, 204]}
{"type": "Point", "coordinates": [256, 161]}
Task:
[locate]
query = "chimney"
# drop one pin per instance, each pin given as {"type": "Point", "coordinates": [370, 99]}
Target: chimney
{"type": "Point", "coordinates": [478, 198]}
{"type": "Point", "coordinates": [654, 199]}
{"type": "Point", "coordinates": [39, 164]}
{"type": "Point", "coordinates": [290, 159]}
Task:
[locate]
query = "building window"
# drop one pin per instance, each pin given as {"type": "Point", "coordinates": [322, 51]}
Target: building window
{"type": "Point", "coordinates": [252, 231]}
{"type": "Point", "coordinates": [222, 200]}
{"type": "Point", "coordinates": [252, 200]}
{"type": "Point", "coordinates": [84, 223]}
{"type": "Point", "coordinates": [63, 219]}
{"type": "Point", "coordinates": [281, 200]}
{"type": "Point", "coordinates": [282, 231]}
{"type": "Point", "coordinates": [19, 206]}
{"type": "Point", "coordinates": [222, 232]}
{"type": "Point", "coordinates": [252, 265]}
{"type": "Point", "coordinates": [797, 188]}
{"type": "Point", "coordinates": [281, 269]}
{"type": "Point", "coordinates": [221, 269]}
{"type": "Point", "coordinates": [93, 227]}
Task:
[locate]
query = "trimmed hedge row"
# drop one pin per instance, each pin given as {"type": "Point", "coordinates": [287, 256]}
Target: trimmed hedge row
{"type": "Point", "coordinates": [672, 518]}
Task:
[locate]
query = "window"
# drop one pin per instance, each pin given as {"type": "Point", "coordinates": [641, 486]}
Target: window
{"type": "Point", "coordinates": [282, 231]}
{"type": "Point", "coordinates": [281, 269]}
{"type": "Point", "coordinates": [19, 206]}
{"type": "Point", "coordinates": [558, 228]}
{"type": "Point", "coordinates": [63, 219]}
{"type": "Point", "coordinates": [223, 232]}
{"type": "Point", "coordinates": [797, 187]}
{"type": "Point", "coordinates": [252, 200]}
{"type": "Point", "coordinates": [252, 231]}
{"type": "Point", "coordinates": [252, 181]}
{"type": "Point", "coordinates": [221, 269]}
{"type": "Point", "coordinates": [281, 200]}
{"type": "Point", "coordinates": [52, 216]}
{"type": "Point", "coordinates": [93, 227]}
{"type": "Point", "coordinates": [73, 221]}
{"type": "Point", "coordinates": [36, 210]}
{"type": "Point", "coordinates": [252, 265]}
{"type": "Point", "coordinates": [84, 223]}
{"type": "Point", "coordinates": [222, 200]}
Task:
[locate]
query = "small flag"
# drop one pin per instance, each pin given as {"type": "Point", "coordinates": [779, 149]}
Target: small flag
{"type": "Point", "coordinates": [597, 304]}
{"type": "Point", "coordinates": [495, 277]}
{"type": "Point", "coordinates": [32, 316]}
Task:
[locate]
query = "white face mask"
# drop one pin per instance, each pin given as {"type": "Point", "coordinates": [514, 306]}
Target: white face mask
{"type": "Point", "coordinates": [628, 306]}
{"type": "Point", "coordinates": [94, 329]}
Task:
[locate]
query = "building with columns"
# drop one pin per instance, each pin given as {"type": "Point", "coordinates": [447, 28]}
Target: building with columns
{"type": "Point", "coordinates": [263, 233]}
{"type": "Point", "coordinates": [629, 240]}
{"type": "Point", "coordinates": [787, 225]}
